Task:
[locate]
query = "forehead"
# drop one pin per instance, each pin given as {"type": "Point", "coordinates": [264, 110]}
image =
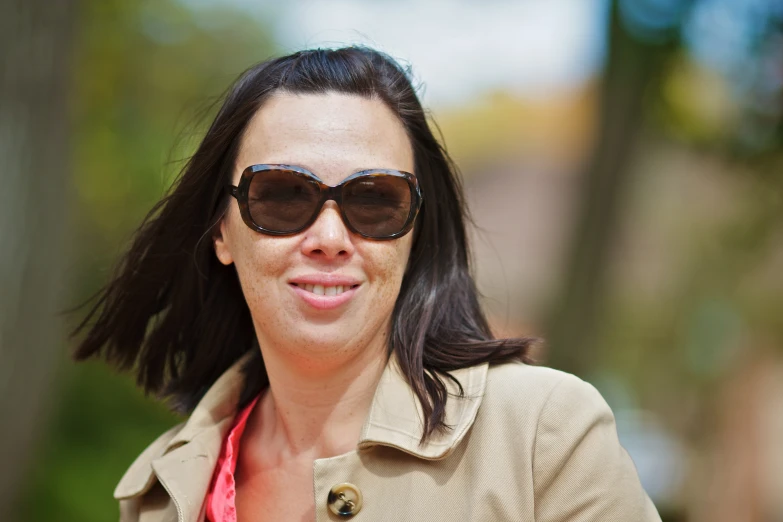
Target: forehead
{"type": "Point", "coordinates": [331, 134]}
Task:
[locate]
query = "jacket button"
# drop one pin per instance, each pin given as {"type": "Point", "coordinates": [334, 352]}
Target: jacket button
{"type": "Point", "coordinates": [345, 500]}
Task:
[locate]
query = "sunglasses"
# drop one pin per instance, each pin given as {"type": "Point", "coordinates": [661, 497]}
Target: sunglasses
{"type": "Point", "coordinates": [281, 200]}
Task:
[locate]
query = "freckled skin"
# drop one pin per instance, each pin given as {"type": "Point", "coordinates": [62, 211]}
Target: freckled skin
{"type": "Point", "coordinates": [332, 135]}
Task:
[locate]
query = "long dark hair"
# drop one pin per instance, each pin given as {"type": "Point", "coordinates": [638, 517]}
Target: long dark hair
{"type": "Point", "coordinates": [178, 316]}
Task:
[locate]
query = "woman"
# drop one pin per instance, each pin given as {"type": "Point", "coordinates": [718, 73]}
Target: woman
{"type": "Point", "coordinates": [304, 293]}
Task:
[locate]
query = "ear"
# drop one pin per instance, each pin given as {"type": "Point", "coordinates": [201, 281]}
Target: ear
{"type": "Point", "coordinates": [221, 247]}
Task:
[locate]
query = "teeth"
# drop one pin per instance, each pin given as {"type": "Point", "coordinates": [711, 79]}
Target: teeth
{"type": "Point", "coordinates": [324, 290]}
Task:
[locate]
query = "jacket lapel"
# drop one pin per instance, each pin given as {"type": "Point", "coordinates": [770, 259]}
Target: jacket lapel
{"type": "Point", "coordinates": [183, 459]}
{"type": "Point", "coordinates": [186, 472]}
{"type": "Point", "coordinates": [395, 417]}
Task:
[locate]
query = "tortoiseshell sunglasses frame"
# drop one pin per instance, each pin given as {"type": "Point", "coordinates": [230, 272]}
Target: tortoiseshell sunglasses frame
{"type": "Point", "coordinates": [327, 192]}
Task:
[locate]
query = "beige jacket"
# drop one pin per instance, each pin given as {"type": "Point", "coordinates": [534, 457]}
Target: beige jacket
{"type": "Point", "coordinates": [528, 444]}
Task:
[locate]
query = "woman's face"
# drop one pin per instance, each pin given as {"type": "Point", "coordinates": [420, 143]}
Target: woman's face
{"type": "Point", "coordinates": [332, 135]}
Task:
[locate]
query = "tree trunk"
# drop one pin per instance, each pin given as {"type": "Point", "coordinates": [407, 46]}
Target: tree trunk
{"type": "Point", "coordinates": [574, 322]}
{"type": "Point", "coordinates": [34, 166]}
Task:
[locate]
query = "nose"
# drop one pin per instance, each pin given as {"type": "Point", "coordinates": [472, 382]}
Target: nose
{"type": "Point", "coordinates": [328, 238]}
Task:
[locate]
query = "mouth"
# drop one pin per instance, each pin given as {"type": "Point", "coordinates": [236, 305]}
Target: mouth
{"type": "Point", "coordinates": [325, 290]}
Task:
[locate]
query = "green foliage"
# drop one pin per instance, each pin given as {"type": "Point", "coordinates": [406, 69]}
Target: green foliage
{"type": "Point", "coordinates": [145, 79]}
{"type": "Point", "coordinates": [102, 423]}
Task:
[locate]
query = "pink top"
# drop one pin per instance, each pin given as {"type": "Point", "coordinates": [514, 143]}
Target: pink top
{"type": "Point", "coordinates": [221, 497]}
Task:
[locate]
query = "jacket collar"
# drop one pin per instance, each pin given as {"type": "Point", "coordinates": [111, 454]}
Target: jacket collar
{"type": "Point", "coordinates": [209, 423]}
{"type": "Point", "coordinates": [394, 419]}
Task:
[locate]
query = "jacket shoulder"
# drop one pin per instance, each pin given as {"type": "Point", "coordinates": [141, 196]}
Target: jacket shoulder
{"type": "Point", "coordinates": [524, 395]}
{"type": "Point", "coordinates": [514, 397]}
{"type": "Point", "coordinates": [532, 385]}
{"type": "Point", "coordinates": [140, 477]}
{"type": "Point", "coordinates": [578, 464]}
{"type": "Point", "coordinates": [546, 391]}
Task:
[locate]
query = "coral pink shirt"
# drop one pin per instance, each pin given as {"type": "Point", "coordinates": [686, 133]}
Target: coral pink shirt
{"type": "Point", "coordinates": [221, 497]}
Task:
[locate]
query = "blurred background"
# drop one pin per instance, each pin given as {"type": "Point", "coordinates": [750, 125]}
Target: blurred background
{"type": "Point", "coordinates": [623, 164]}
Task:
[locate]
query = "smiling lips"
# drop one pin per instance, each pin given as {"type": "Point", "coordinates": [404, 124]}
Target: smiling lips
{"type": "Point", "coordinates": [324, 291]}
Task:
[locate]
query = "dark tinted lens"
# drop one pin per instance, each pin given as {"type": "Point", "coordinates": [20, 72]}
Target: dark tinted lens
{"type": "Point", "coordinates": [281, 200]}
{"type": "Point", "coordinates": [377, 205]}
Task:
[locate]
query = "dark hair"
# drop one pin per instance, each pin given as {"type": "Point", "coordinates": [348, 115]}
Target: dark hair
{"type": "Point", "coordinates": [177, 315]}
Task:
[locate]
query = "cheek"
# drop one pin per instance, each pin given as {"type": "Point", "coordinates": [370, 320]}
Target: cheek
{"type": "Point", "coordinates": [389, 266]}
{"type": "Point", "coordinates": [253, 253]}
{"type": "Point", "coordinates": [259, 268]}
{"type": "Point", "coordinates": [259, 262]}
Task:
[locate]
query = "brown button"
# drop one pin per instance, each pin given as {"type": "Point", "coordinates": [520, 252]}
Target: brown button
{"type": "Point", "coordinates": [345, 500]}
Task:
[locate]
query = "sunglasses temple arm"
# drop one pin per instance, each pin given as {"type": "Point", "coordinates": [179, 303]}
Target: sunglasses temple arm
{"type": "Point", "coordinates": [231, 190]}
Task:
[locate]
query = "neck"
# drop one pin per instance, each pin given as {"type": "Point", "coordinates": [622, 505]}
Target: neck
{"type": "Point", "coordinates": [316, 408]}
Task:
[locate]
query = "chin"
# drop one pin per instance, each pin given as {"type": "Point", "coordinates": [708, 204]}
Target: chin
{"type": "Point", "coordinates": [329, 336]}
{"type": "Point", "coordinates": [336, 337]}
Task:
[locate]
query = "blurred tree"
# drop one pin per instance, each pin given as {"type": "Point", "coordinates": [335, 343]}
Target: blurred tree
{"type": "Point", "coordinates": [649, 83]}
{"type": "Point", "coordinates": [35, 39]}
{"type": "Point", "coordinates": [144, 78]}
{"type": "Point", "coordinates": [641, 36]}
{"type": "Point", "coordinates": [694, 87]}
